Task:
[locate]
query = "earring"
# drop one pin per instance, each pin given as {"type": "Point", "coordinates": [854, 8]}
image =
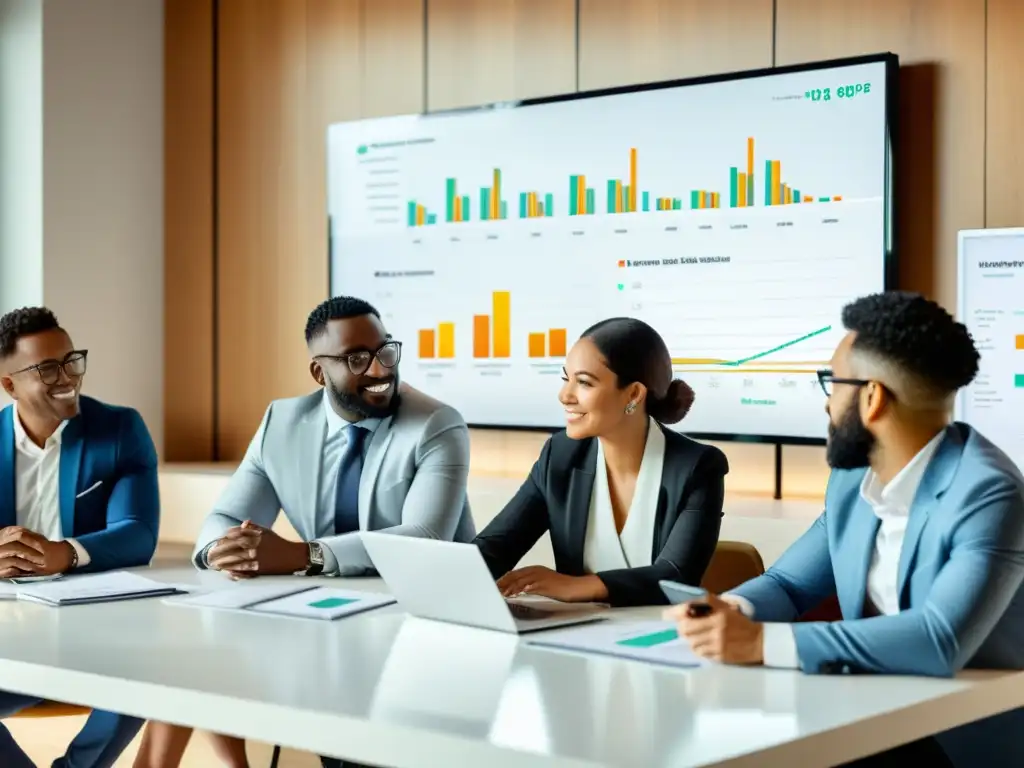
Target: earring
{"type": "Point", "coordinates": [630, 408]}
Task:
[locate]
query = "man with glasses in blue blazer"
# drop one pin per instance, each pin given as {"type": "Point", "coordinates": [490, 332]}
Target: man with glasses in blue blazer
{"type": "Point", "coordinates": [78, 494]}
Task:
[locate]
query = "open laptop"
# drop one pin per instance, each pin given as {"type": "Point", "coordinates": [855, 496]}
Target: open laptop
{"type": "Point", "coordinates": [449, 581]}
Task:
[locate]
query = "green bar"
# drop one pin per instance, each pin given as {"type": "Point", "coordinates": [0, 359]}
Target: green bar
{"type": "Point", "coordinates": [750, 191]}
{"type": "Point", "coordinates": [796, 196]}
{"type": "Point", "coordinates": [733, 187]}
{"type": "Point", "coordinates": [767, 182]}
{"type": "Point", "coordinates": [574, 195]}
{"type": "Point", "coordinates": [590, 200]}
{"type": "Point", "coordinates": [824, 199]}
{"type": "Point", "coordinates": [412, 213]}
{"type": "Point", "coordinates": [695, 199]}
{"type": "Point", "coordinates": [549, 204]}
{"type": "Point", "coordinates": [1018, 380]}
{"type": "Point", "coordinates": [485, 204]}
{"type": "Point", "coordinates": [431, 218]}
{"type": "Point", "coordinates": [503, 210]}
{"type": "Point", "coordinates": [647, 201]}
{"type": "Point", "coordinates": [651, 640]}
{"type": "Point", "coordinates": [450, 201]}
{"type": "Point", "coordinates": [677, 204]}
{"type": "Point", "coordinates": [465, 207]}
{"type": "Point", "coordinates": [522, 205]}
{"type": "Point", "coordinates": [611, 195]}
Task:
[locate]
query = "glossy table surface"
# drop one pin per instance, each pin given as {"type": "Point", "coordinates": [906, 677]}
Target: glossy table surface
{"type": "Point", "coordinates": [387, 689]}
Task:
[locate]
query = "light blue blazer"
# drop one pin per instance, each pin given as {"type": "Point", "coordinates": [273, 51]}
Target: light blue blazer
{"type": "Point", "coordinates": [109, 493]}
{"type": "Point", "coordinates": [959, 580]}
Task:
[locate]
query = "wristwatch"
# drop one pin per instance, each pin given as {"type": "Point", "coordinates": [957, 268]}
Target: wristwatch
{"type": "Point", "coordinates": [316, 559]}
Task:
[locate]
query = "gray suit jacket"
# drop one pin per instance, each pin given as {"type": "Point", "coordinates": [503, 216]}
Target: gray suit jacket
{"type": "Point", "coordinates": [413, 481]}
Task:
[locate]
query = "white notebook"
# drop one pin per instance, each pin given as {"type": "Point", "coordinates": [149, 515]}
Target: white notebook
{"type": "Point", "coordinates": [93, 588]}
{"type": "Point", "coordinates": [288, 599]}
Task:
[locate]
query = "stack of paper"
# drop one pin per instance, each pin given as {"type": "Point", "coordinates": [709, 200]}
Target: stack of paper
{"type": "Point", "coordinates": [289, 599]}
{"type": "Point", "coordinates": [653, 641]}
{"type": "Point", "coordinates": [93, 588]}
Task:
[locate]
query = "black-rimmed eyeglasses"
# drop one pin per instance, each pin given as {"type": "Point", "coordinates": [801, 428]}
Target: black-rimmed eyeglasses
{"type": "Point", "coordinates": [73, 366]}
{"type": "Point", "coordinates": [826, 380]}
{"type": "Point", "coordinates": [388, 355]}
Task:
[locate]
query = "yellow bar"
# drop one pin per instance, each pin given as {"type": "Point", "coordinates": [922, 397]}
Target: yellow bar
{"type": "Point", "coordinates": [715, 200]}
{"type": "Point", "coordinates": [536, 345]}
{"type": "Point", "coordinates": [750, 157]}
{"type": "Point", "coordinates": [631, 203]}
{"type": "Point", "coordinates": [421, 212]}
{"type": "Point", "coordinates": [1020, 342]}
{"type": "Point", "coordinates": [446, 340]}
{"type": "Point", "coordinates": [741, 190]}
{"type": "Point", "coordinates": [481, 335]}
{"type": "Point", "coordinates": [581, 191]}
{"type": "Point", "coordinates": [496, 195]}
{"type": "Point", "coordinates": [837, 197]}
{"type": "Point", "coordinates": [501, 309]}
{"type": "Point", "coordinates": [776, 179]}
{"type": "Point", "coordinates": [556, 342]}
{"type": "Point", "coordinates": [427, 343]}
{"type": "Point", "coordinates": [808, 199]}
{"type": "Point", "coordinates": [458, 209]}
{"type": "Point", "coordinates": [789, 194]}
{"type": "Point", "coordinates": [618, 196]}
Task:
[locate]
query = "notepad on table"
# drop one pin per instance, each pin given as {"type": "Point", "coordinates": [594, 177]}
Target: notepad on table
{"type": "Point", "coordinates": [93, 588]}
{"type": "Point", "coordinates": [289, 599]}
{"type": "Point", "coordinates": [654, 641]}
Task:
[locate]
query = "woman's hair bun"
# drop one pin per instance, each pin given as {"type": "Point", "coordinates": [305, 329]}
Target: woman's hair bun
{"type": "Point", "coordinates": [674, 406]}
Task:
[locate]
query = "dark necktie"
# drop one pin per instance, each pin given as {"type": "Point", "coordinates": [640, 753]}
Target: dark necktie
{"type": "Point", "coordinates": [346, 500]}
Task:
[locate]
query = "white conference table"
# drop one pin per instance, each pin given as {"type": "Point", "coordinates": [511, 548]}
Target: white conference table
{"type": "Point", "coordinates": [386, 689]}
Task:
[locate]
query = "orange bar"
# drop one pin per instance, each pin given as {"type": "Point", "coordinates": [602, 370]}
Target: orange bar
{"type": "Point", "coordinates": [1020, 341]}
{"type": "Point", "coordinates": [446, 340]}
{"type": "Point", "coordinates": [714, 200]}
{"type": "Point", "coordinates": [501, 309]}
{"type": "Point", "coordinates": [741, 191]}
{"type": "Point", "coordinates": [776, 180]}
{"type": "Point", "coordinates": [581, 186]}
{"type": "Point", "coordinates": [496, 196]}
{"type": "Point", "coordinates": [556, 342]}
{"type": "Point", "coordinates": [789, 194]}
{"type": "Point", "coordinates": [618, 197]}
{"type": "Point", "coordinates": [536, 345]}
{"type": "Point", "coordinates": [457, 213]}
{"type": "Point", "coordinates": [427, 343]}
{"type": "Point", "coordinates": [837, 197]}
{"type": "Point", "coordinates": [631, 203]}
{"type": "Point", "coordinates": [481, 335]}
{"type": "Point", "coordinates": [421, 213]}
{"type": "Point", "coordinates": [750, 157]}
{"type": "Point", "coordinates": [808, 199]}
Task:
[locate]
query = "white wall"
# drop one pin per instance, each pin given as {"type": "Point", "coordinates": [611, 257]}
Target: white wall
{"type": "Point", "coordinates": [99, 85]}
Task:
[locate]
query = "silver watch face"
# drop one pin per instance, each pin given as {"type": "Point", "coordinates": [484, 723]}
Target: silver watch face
{"type": "Point", "coordinates": [316, 554]}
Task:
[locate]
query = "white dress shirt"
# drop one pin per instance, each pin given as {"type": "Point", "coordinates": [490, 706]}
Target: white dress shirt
{"type": "Point", "coordinates": [37, 486]}
{"type": "Point", "coordinates": [891, 504]}
{"type": "Point", "coordinates": [605, 549]}
{"type": "Point", "coordinates": [335, 440]}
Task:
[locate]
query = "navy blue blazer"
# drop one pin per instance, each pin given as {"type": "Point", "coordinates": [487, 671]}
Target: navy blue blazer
{"type": "Point", "coordinates": [116, 523]}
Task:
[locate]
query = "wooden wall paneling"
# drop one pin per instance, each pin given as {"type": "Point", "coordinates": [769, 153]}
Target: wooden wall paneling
{"type": "Point", "coordinates": [188, 231]}
{"type": "Point", "coordinates": [941, 163]}
{"type": "Point", "coordinates": [646, 40]}
{"type": "Point", "coordinates": [481, 51]}
{"type": "Point", "coordinates": [1004, 157]}
{"type": "Point", "coordinates": [393, 57]}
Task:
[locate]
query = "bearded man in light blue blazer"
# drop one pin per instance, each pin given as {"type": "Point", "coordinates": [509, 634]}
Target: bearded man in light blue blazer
{"type": "Point", "coordinates": [921, 540]}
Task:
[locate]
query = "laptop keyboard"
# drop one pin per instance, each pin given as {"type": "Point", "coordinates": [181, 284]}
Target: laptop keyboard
{"type": "Point", "coordinates": [528, 612]}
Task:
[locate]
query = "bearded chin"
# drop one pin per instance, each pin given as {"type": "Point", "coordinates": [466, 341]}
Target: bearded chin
{"type": "Point", "coordinates": [849, 442]}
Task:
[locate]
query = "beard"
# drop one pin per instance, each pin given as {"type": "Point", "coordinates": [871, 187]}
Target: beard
{"type": "Point", "coordinates": [849, 442]}
{"type": "Point", "coordinates": [353, 402]}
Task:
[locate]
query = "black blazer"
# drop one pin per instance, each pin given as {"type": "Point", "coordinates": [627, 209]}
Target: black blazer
{"type": "Point", "coordinates": [556, 498]}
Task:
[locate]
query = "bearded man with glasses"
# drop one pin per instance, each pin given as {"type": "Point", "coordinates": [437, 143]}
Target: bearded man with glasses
{"type": "Point", "coordinates": [78, 493]}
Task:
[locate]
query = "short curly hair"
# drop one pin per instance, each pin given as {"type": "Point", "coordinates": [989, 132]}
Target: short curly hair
{"type": "Point", "coordinates": [915, 336]}
{"type": "Point", "coordinates": [337, 308]}
{"type": "Point", "coordinates": [19, 323]}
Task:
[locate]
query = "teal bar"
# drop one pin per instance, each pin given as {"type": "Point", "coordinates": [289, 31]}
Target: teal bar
{"type": "Point", "coordinates": [677, 204]}
{"type": "Point", "coordinates": [796, 196]}
{"type": "Point", "coordinates": [590, 200]}
{"type": "Point", "coordinates": [549, 204]}
{"type": "Point", "coordinates": [611, 195]}
{"type": "Point", "coordinates": [767, 182]}
{"type": "Point", "coordinates": [412, 213]}
{"type": "Point", "coordinates": [1018, 380]}
{"type": "Point", "coordinates": [465, 207]}
{"type": "Point", "coordinates": [503, 210]}
{"type": "Point", "coordinates": [647, 201]}
{"type": "Point", "coordinates": [695, 199]}
{"type": "Point", "coordinates": [431, 218]}
{"type": "Point", "coordinates": [450, 200]}
{"type": "Point", "coordinates": [823, 199]}
{"type": "Point", "coordinates": [574, 195]}
{"type": "Point", "coordinates": [734, 177]}
{"type": "Point", "coordinates": [750, 190]}
{"type": "Point", "coordinates": [522, 205]}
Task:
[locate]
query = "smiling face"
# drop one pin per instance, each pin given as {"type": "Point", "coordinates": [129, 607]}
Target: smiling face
{"type": "Point", "coordinates": [595, 404]}
{"type": "Point", "coordinates": [45, 391]}
{"type": "Point", "coordinates": [339, 357]}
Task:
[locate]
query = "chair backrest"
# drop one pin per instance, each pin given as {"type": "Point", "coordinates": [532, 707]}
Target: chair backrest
{"type": "Point", "coordinates": [733, 563]}
{"type": "Point", "coordinates": [53, 709]}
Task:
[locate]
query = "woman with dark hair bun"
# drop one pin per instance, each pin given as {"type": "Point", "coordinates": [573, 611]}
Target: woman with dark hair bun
{"type": "Point", "coordinates": [627, 502]}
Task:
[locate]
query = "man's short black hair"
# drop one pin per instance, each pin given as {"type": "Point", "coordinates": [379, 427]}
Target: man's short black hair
{"type": "Point", "coordinates": [916, 336]}
{"type": "Point", "coordinates": [23, 322]}
{"type": "Point", "coordinates": [337, 308]}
